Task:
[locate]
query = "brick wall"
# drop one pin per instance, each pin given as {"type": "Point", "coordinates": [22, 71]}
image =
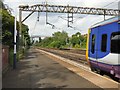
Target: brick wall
{"type": "Point", "coordinates": [5, 57]}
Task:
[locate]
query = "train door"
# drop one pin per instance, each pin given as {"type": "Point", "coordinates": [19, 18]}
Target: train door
{"type": "Point", "coordinates": [93, 47]}
{"type": "Point", "coordinates": [103, 46]}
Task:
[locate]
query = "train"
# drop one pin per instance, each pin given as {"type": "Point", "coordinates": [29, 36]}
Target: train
{"type": "Point", "coordinates": [103, 47]}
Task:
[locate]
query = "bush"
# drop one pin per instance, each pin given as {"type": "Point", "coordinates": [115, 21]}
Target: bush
{"type": "Point", "coordinates": [55, 44]}
{"type": "Point", "coordinates": [11, 57]}
{"type": "Point", "coordinates": [77, 46]}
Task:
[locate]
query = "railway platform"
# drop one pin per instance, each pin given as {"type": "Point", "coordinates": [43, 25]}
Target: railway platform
{"type": "Point", "coordinates": [37, 70]}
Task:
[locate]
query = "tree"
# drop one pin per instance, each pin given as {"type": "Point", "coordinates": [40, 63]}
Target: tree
{"type": "Point", "coordinates": [60, 36]}
{"type": "Point", "coordinates": [25, 33]}
{"type": "Point", "coordinates": [61, 40]}
{"type": "Point", "coordinates": [8, 29]}
{"type": "Point", "coordinates": [57, 40]}
{"type": "Point", "coordinates": [46, 42]}
{"type": "Point", "coordinates": [78, 39]}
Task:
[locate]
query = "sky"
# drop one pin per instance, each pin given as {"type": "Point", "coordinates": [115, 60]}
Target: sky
{"type": "Point", "coordinates": [81, 22]}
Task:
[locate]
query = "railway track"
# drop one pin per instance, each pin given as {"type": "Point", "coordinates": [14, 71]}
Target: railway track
{"type": "Point", "coordinates": [80, 58]}
{"type": "Point", "coordinates": [78, 51]}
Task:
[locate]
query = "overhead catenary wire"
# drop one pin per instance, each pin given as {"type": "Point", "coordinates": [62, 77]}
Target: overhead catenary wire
{"type": "Point", "coordinates": [110, 3]}
{"type": "Point", "coordinates": [35, 23]}
{"type": "Point", "coordinates": [54, 27]}
{"type": "Point", "coordinates": [103, 6]}
{"type": "Point", "coordinates": [88, 15]}
{"type": "Point", "coordinates": [47, 23]}
{"type": "Point", "coordinates": [107, 5]}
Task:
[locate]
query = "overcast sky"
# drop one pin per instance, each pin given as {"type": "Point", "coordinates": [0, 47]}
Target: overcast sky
{"type": "Point", "coordinates": [81, 24]}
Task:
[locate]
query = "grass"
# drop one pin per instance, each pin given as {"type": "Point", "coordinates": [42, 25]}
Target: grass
{"type": "Point", "coordinates": [20, 54]}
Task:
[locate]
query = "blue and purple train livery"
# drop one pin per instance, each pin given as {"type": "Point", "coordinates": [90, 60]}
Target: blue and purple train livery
{"type": "Point", "coordinates": [103, 47]}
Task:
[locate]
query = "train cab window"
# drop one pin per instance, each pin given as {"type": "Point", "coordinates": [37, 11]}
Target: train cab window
{"type": "Point", "coordinates": [115, 42]}
{"type": "Point", "coordinates": [93, 44]}
{"type": "Point", "coordinates": [104, 43]}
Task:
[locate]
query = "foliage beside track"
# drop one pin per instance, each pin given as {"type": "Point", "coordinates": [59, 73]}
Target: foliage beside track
{"type": "Point", "coordinates": [62, 40]}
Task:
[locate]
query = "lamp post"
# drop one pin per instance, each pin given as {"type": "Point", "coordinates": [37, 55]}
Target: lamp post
{"type": "Point", "coordinates": [15, 32]}
{"type": "Point", "coordinates": [15, 44]}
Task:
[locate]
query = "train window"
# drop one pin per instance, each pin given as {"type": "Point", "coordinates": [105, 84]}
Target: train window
{"type": "Point", "coordinates": [115, 42]}
{"type": "Point", "coordinates": [104, 43]}
{"type": "Point", "coordinates": [93, 44]}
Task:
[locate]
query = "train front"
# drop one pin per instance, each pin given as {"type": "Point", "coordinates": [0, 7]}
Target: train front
{"type": "Point", "coordinates": [87, 47]}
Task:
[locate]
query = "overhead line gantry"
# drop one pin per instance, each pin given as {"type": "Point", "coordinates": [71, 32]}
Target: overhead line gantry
{"type": "Point", "coordinates": [65, 9]}
{"type": "Point", "coordinates": [70, 9]}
